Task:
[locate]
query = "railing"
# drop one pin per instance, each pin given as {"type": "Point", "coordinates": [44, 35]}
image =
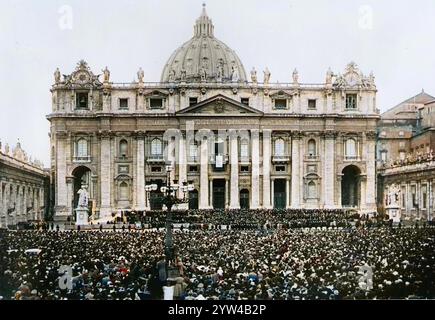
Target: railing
{"type": "Point", "coordinates": [212, 158]}
{"type": "Point", "coordinates": [410, 167]}
{"type": "Point", "coordinates": [193, 159]}
{"type": "Point", "coordinates": [155, 158]}
{"type": "Point", "coordinates": [244, 159]}
{"type": "Point", "coordinates": [82, 159]}
{"type": "Point", "coordinates": [311, 157]}
{"type": "Point", "coordinates": [352, 158]}
{"type": "Point", "coordinates": [280, 157]}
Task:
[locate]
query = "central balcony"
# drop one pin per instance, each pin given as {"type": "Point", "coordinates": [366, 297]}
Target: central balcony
{"type": "Point", "coordinates": [280, 158]}
{"type": "Point", "coordinates": [82, 159]}
{"type": "Point", "coordinates": [155, 158]}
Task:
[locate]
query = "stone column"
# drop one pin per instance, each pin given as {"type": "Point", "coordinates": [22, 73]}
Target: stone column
{"type": "Point", "coordinates": [105, 174]}
{"type": "Point", "coordinates": [227, 193]}
{"type": "Point", "coordinates": [255, 169]}
{"type": "Point", "coordinates": [24, 216]}
{"type": "Point", "coordinates": [2, 213]}
{"type": "Point", "coordinates": [61, 188]}
{"type": "Point", "coordinates": [234, 159]}
{"type": "Point", "coordinates": [14, 204]}
{"type": "Point", "coordinates": [272, 182]}
{"type": "Point", "coordinates": [371, 171]}
{"type": "Point", "coordinates": [182, 168]}
{"type": "Point", "coordinates": [363, 185]}
{"type": "Point", "coordinates": [203, 178]}
{"type": "Point", "coordinates": [296, 162]}
{"type": "Point", "coordinates": [210, 198]}
{"type": "Point", "coordinates": [70, 196]}
{"type": "Point", "coordinates": [328, 180]}
{"type": "Point", "coordinates": [6, 202]}
{"type": "Point", "coordinates": [140, 172]}
{"type": "Point", "coordinates": [287, 196]}
{"type": "Point", "coordinates": [41, 202]}
{"type": "Point", "coordinates": [267, 136]}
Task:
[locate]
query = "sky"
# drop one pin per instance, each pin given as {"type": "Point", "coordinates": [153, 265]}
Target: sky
{"type": "Point", "coordinates": [394, 39]}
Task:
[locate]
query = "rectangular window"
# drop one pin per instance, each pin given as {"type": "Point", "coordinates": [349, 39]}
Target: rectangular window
{"type": "Point", "coordinates": [156, 169]}
{"type": "Point", "coordinates": [279, 168]}
{"type": "Point", "coordinates": [245, 101]}
{"type": "Point", "coordinates": [280, 104]}
{"type": "Point", "coordinates": [311, 104]}
{"type": "Point", "coordinates": [156, 103]}
{"type": "Point", "coordinates": [351, 101]}
{"type": "Point", "coordinates": [82, 100]}
{"type": "Point", "coordinates": [193, 168]}
{"type": "Point", "coordinates": [193, 101]}
{"type": "Point", "coordinates": [123, 103]}
{"type": "Point", "coordinates": [244, 168]}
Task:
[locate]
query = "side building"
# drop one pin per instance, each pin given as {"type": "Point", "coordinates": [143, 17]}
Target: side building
{"type": "Point", "coordinates": [406, 160]}
{"type": "Point", "coordinates": [24, 188]}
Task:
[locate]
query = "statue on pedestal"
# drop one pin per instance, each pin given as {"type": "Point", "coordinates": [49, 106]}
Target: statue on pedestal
{"type": "Point", "coordinates": [82, 210]}
{"type": "Point", "coordinates": [57, 76]}
{"type": "Point", "coordinates": [329, 76]}
{"type": "Point", "coordinates": [83, 197]}
{"type": "Point", "coordinates": [106, 73]}
{"type": "Point", "coordinates": [183, 74]}
{"type": "Point", "coordinates": [266, 76]}
{"type": "Point", "coordinates": [254, 75]}
{"type": "Point", "coordinates": [235, 73]}
{"type": "Point", "coordinates": [140, 75]}
{"type": "Point", "coordinates": [295, 76]}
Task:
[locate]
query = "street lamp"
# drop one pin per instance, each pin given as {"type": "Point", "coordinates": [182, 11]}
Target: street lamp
{"type": "Point", "coordinates": [169, 199]}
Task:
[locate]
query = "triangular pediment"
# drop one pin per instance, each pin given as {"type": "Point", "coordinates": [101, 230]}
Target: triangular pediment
{"type": "Point", "coordinates": [220, 105]}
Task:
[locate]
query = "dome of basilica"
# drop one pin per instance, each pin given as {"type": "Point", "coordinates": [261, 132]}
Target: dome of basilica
{"type": "Point", "coordinates": [204, 58]}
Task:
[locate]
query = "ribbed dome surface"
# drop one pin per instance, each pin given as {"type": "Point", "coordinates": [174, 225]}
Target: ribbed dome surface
{"type": "Point", "coordinates": [204, 58]}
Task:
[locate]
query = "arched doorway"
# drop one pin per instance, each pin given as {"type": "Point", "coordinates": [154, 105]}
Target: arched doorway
{"type": "Point", "coordinates": [244, 199]}
{"type": "Point", "coordinates": [350, 186]}
{"type": "Point", "coordinates": [82, 176]}
{"type": "Point", "coordinates": [193, 199]}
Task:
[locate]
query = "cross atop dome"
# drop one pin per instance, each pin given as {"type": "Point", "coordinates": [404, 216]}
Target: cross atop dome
{"type": "Point", "coordinates": [204, 26]}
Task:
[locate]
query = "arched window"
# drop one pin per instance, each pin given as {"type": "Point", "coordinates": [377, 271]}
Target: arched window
{"type": "Point", "coordinates": [312, 190]}
{"type": "Point", "coordinates": [279, 147]}
{"type": "Point", "coordinates": [82, 147]}
{"type": "Point", "coordinates": [156, 147]}
{"type": "Point", "coordinates": [123, 148]}
{"type": "Point", "coordinates": [124, 193]}
{"type": "Point", "coordinates": [312, 148]}
{"type": "Point", "coordinates": [351, 151]}
{"type": "Point", "coordinates": [244, 148]}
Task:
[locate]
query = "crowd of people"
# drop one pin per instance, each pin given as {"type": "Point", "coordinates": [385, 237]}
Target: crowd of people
{"type": "Point", "coordinates": [255, 219]}
{"type": "Point", "coordinates": [410, 159]}
{"type": "Point", "coordinates": [357, 263]}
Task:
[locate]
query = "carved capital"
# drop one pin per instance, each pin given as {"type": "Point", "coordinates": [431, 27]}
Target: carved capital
{"type": "Point", "coordinates": [296, 135]}
{"type": "Point", "coordinates": [61, 134]}
{"type": "Point", "coordinates": [371, 135]}
{"type": "Point", "coordinates": [139, 134]}
{"type": "Point", "coordinates": [104, 134]}
{"type": "Point", "coordinates": [330, 134]}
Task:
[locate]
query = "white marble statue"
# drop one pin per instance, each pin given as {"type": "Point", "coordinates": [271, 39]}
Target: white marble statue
{"type": "Point", "coordinates": [295, 76]}
{"type": "Point", "coordinates": [266, 76]}
{"type": "Point", "coordinates": [254, 75]}
{"type": "Point", "coordinates": [83, 197]}
{"type": "Point", "coordinates": [393, 195]}
{"type": "Point", "coordinates": [57, 76]}
{"type": "Point", "coordinates": [106, 73]}
{"type": "Point", "coordinates": [140, 75]}
{"type": "Point", "coordinates": [235, 73]}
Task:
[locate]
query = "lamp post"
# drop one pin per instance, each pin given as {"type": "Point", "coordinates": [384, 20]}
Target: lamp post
{"type": "Point", "coordinates": [169, 199]}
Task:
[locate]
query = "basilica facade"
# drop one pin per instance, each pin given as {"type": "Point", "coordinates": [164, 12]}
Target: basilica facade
{"type": "Point", "coordinates": [240, 141]}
